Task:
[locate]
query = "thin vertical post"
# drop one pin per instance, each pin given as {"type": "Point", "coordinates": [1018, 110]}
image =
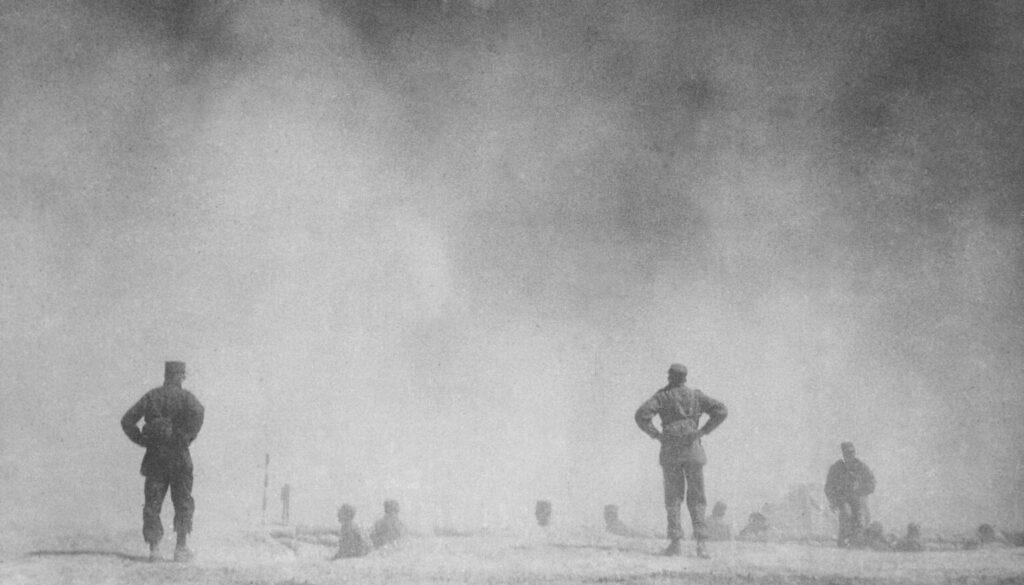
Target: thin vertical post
{"type": "Point", "coordinates": [266, 482]}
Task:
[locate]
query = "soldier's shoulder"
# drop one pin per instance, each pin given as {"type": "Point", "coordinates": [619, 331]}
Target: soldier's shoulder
{"type": "Point", "coordinates": [659, 393]}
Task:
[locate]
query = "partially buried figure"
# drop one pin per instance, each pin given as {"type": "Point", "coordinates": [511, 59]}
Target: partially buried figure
{"type": "Point", "coordinates": [389, 529]}
{"type": "Point", "coordinates": [542, 512]}
{"type": "Point", "coordinates": [173, 418]}
{"type": "Point", "coordinates": [718, 527]}
{"type": "Point", "coordinates": [912, 541]}
{"type": "Point", "coordinates": [352, 542]}
{"type": "Point", "coordinates": [682, 456]}
{"type": "Point", "coordinates": [758, 528]}
{"type": "Point", "coordinates": [987, 538]}
{"type": "Point", "coordinates": [613, 524]}
{"type": "Point", "coordinates": [874, 537]}
{"type": "Point", "coordinates": [847, 487]}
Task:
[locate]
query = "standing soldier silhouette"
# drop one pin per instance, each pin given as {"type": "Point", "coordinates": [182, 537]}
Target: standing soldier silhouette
{"type": "Point", "coordinates": [682, 457]}
{"type": "Point", "coordinates": [172, 418]}
{"type": "Point", "coordinates": [847, 487]}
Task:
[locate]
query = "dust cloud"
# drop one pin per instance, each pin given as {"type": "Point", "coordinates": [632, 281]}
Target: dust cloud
{"type": "Point", "coordinates": [441, 251]}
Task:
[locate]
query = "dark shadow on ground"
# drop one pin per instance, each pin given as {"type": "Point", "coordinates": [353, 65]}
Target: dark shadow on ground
{"type": "Point", "coordinates": [605, 547]}
{"type": "Point", "coordinates": [87, 552]}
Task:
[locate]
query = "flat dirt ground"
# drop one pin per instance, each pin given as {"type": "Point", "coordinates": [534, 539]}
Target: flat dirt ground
{"type": "Point", "coordinates": [581, 557]}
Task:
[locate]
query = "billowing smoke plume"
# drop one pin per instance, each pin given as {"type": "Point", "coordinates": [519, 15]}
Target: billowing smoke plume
{"type": "Point", "coordinates": [442, 251]}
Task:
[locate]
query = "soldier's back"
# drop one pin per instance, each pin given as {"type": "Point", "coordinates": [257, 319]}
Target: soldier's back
{"type": "Point", "coordinates": [352, 542]}
{"type": "Point", "coordinates": [387, 530]}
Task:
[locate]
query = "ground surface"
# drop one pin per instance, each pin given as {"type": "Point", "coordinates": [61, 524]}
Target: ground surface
{"type": "Point", "coordinates": [546, 557]}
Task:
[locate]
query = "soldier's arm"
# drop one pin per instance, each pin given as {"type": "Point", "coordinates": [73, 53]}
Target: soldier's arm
{"type": "Point", "coordinates": [194, 423]}
{"type": "Point", "coordinates": [643, 417]}
{"type": "Point", "coordinates": [867, 481]}
{"type": "Point", "coordinates": [130, 421]}
{"type": "Point", "coordinates": [832, 487]}
{"type": "Point", "coordinates": [716, 412]}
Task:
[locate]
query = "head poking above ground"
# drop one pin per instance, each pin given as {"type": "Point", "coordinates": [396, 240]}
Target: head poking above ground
{"type": "Point", "coordinates": [346, 513]}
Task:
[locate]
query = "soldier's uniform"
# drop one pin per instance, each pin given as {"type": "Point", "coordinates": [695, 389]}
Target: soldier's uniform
{"type": "Point", "coordinates": [847, 487]}
{"type": "Point", "coordinates": [388, 529]}
{"type": "Point", "coordinates": [352, 541]}
{"type": "Point", "coordinates": [682, 456]}
{"type": "Point", "coordinates": [718, 527]}
{"type": "Point", "coordinates": [173, 418]}
{"type": "Point", "coordinates": [912, 541]}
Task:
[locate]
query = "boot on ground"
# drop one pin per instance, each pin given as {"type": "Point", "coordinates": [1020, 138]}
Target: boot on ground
{"type": "Point", "coordinates": [673, 549]}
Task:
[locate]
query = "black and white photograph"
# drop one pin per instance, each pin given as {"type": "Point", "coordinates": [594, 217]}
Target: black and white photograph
{"type": "Point", "coordinates": [478, 292]}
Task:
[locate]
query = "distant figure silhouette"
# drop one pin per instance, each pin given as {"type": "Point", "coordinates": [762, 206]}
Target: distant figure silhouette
{"type": "Point", "coordinates": [613, 524]}
{"type": "Point", "coordinates": [542, 512]}
{"type": "Point", "coordinates": [988, 538]}
{"type": "Point", "coordinates": [847, 488]}
{"type": "Point", "coordinates": [389, 529]}
{"type": "Point", "coordinates": [757, 528]}
{"type": "Point", "coordinates": [912, 541]}
{"type": "Point", "coordinates": [718, 527]}
{"type": "Point", "coordinates": [874, 537]}
{"type": "Point", "coordinates": [352, 542]}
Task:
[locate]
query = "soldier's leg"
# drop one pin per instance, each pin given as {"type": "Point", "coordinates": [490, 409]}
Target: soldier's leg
{"type": "Point", "coordinates": [845, 522]}
{"type": "Point", "coordinates": [155, 491]}
{"type": "Point", "coordinates": [696, 502]}
{"type": "Point", "coordinates": [858, 516]}
{"type": "Point", "coordinates": [675, 486]}
{"type": "Point", "coordinates": [184, 505]}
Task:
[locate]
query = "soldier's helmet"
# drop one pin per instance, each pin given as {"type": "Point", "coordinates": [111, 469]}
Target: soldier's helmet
{"type": "Point", "coordinates": [391, 507]}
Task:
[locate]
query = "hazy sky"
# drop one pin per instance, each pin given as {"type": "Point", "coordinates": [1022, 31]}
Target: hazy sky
{"type": "Point", "coordinates": [443, 254]}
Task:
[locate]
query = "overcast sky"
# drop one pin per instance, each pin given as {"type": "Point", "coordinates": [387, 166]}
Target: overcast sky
{"type": "Point", "coordinates": [443, 255]}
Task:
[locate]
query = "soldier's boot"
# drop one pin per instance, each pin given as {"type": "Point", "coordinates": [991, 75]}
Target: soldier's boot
{"type": "Point", "coordinates": [673, 549]}
{"type": "Point", "coordinates": [182, 554]}
{"type": "Point", "coordinates": [154, 553]}
{"type": "Point", "coordinates": [702, 550]}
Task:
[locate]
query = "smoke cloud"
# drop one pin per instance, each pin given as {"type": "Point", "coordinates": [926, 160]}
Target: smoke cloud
{"type": "Point", "coordinates": [442, 251]}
